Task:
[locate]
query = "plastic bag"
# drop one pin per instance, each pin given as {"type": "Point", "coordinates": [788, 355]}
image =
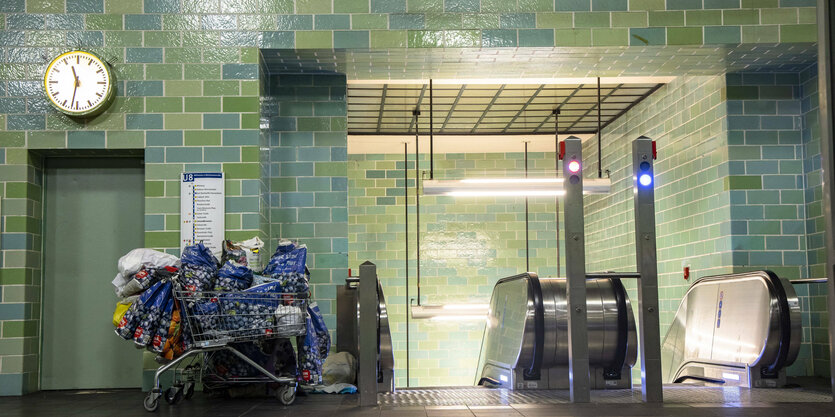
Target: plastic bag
{"type": "Point", "coordinates": [173, 346]}
{"type": "Point", "coordinates": [199, 268]}
{"type": "Point", "coordinates": [234, 253]}
{"type": "Point", "coordinates": [122, 307]}
{"type": "Point", "coordinates": [143, 280]}
{"type": "Point", "coordinates": [136, 260]}
{"type": "Point", "coordinates": [339, 368]}
{"type": "Point", "coordinates": [252, 248]}
{"type": "Point", "coordinates": [149, 319]}
{"type": "Point", "coordinates": [163, 327]}
{"type": "Point", "coordinates": [288, 266]}
{"type": "Point", "coordinates": [130, 321]}
{"type": "Point", "coordinates": [233, 277]}
{"type": "Point", "coordinates": [323, 338]}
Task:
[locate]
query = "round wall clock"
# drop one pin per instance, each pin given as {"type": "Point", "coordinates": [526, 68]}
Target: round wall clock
{"type": "Point", "coordinates": [79, 84]}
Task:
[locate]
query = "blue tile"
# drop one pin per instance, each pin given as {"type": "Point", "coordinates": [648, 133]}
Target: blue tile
{"type": "Point", "coordinates": [647, 36]}
{"type": "Point", "coordinates": [241, 137]}
{"type": "Point", "coordinates": [143, 22]}
{"type": "Point", "coordinates": [721, 4]}
{"type": "Point", "coordinates": [159, 6]}
{"type": "Point", "coordinates": [85, 139]}
{"type": "Point", "coordinates": [518, 20]}
{"type": "Point", "coordinates": [609, 5]}
{"type": "Point", "coordinates": [295, 22]}
{"type": "Point", "coordinates": [143, 88]}
{"type": "Point", "coordinates": [143, 55]}
{"type": "Point", "coordinates": [250, 187]}
{"type": "Point", "coordinates": [12, 105]}
{"type": "Point", "coordinates": [240, 38]}
{"type": "Point", "coordinates": [798, 3]}
{"type": "Point", "coordinates": [339, 153]}
{"type": "Point", "coordinates": [11, 38]}
{"type": "Point", "coordinates": [406, 21]}
{"type": "Point", "coordinates": [684, 4]}
{"type": "Point", "coordinates": [85, 38]}
{"type": "Point", "coordinates": [65, 21]}
{"type": "Point", "coordinates": [12, 6]}
{"type": "Point", "coordinates": [25, 21]}
{"type": "Point", "coordinates": [722, 34]}
{"type": "Point", "coordinates": [462, 6]}
{"type": "Point", "coordinates": [24, 88]}
{"type": "Point", "coordinates": [221, 121]}
{"type": "Point", "coordinates": [332, 21]}
{"type": "Point", "coordinates": [87, 6]}
{"type": "Point", "coordinates": [493, 38]}
{"type": "Point", "coordinates": [222, 154]}
{"type": "Point", "coordinates": [218, 22]}
{"type": "Point", "coordinates": [155, 155]}
{"type": "Point", "coordinates": [388, 6]}
{"type": "Point", "coordinates": [13, 241]}
{"type": "Point", "coordinates": [241, 204]}
{"type": "Point", "coordinates": [11, 384]}
{"type": "Point", "coordinates": [143, 121]}
{"type": "Point", "coordinates": [25, 122]}
{"type": "Point", "coordinates": [572, 5]}
{"type": "Point", "coordinates": [240, 71]}
{"type": "Point", "coordinates": [294, 199]}
{"type": "Point", "coordinates": [536, 37]}
{"type": "Point", "coordinates": [351, 39]}
{"type": "Point", "coordinates": [777, 122]}
{"type": "Point", "coordinates": [164, 138]}
{"type": "Point", "coordinates": [296, 169]}
{"type": "Point", "coordinates": [154, 221]}
{"type": "Point", "coordinates": [278, 39]}
{"type": "Point", "coordinates": [184, 154]}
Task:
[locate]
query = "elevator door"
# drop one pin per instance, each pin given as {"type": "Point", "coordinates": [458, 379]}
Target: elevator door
{"type": "Point", "coordinates": [93, 214]}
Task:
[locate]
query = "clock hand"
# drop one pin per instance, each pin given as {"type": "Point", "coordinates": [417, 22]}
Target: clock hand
{"type": "Point", "coordinates": [75, 86]}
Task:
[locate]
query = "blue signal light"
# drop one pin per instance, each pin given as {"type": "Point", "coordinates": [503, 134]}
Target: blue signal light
{"type": "Point", "coordinates": [645, 180]}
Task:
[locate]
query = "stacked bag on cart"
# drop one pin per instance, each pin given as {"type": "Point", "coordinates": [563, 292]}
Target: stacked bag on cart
{"type": "Point", "coordinates": [316, 346]}
{"type": "Point", "coordinates": [287, 266]}
{"type": "Point", "coordinates": [199, 269]}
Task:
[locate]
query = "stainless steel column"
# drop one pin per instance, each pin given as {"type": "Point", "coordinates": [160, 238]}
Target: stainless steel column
{"type": "Point", "coordinates": [649, 326]}
{"type": "Point", "coordinates": [575, 271]}
{"type": "Point", "coordinates": [826, 63]}
{"type": "Point", "coordinates": [367, 375]}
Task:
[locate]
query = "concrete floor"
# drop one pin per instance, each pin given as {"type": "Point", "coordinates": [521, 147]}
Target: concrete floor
{"type": "Point", "coordinates": [435, 403]}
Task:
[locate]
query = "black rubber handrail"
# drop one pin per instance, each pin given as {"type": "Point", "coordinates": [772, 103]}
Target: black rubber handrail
{"type": "Point", "coordinates": [699, 378]}
{"type": "Point", "coordinates": [772, 370]}
{"type": "Point", "coordinates": [613, 371]}
{"type": "Point", "coordinates": [534, 370]}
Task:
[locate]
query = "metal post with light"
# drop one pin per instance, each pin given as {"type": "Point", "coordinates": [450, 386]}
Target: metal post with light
{"type": "Point", "coordinates": [571, 154]}
{"type": "Point", "coordinates": [643, 155]}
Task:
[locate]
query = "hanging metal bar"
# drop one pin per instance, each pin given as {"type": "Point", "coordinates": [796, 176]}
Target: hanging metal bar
{"type": "Point", "coordinates": [432, 135]}
{"type": "Point", "coordinates": [599, 133]}
{"type": "Point", "coordinates": [406, 213]}
{"type": "Point", "coordinates": [417, 194]}
{"type": "Point", "coordinates": [557, 167]}
{"type": "Point", "coordinates": [527, 227]}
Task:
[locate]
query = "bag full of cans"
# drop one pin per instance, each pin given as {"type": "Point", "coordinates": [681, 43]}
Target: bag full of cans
{"type": "Point", "coordinates": [287, 265]}
{"type": "Point", "coordinates": [233, 276]}
{"type": "Point", "coordinates": [199, 268]}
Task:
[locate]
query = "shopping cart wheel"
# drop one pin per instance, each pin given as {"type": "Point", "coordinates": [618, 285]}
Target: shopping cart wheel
{"type": "Point", "coordinates": [286, 394]}
{"type": "Point", "coordinates": [188, 390]}
{"type": "Point", "coordinates": [173, 395]}
{"type": "Point", "coordinates": [151, 402]}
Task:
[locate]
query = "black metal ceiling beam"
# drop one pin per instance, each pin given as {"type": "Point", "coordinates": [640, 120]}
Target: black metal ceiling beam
{"type": "Point", "coordinates": [417, 106]}
{"type": "Point", "coordinates": [565, 102]}
{"type": "Point", "coordinates": [524, 106]}
{"type": "Point", "coordinates": [631, 105]}
{"type": "Point", "coordinates": [452, 109]}
{"type": "Point", "coordinates": [487, 110]}
{"type": "Point", "coordinates": [594, 107]}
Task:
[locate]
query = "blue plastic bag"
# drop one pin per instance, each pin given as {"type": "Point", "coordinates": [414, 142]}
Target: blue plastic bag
{"type": "Point", "coordinates": [233, 277]}
{"type": "Point", "coordinates": [199, 269]}
{"type": "Point", "coordinates": [149, 318]}
{"type": "Point", "coordinates": [130, 321]}
{"type": "Point", "coordinates": [323, 338]}
{"type": "Point", "coordinates": [288, 266]}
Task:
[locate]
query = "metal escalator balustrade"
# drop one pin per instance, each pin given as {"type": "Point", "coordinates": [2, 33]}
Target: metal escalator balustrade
{"type": "Point", "coordinates": [734, 330]}
{"type": "Point", "coordinates": [525, 343]}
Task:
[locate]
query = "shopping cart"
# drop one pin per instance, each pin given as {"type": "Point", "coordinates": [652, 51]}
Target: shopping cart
{"type": "Point", "coordinates": [216, 319]}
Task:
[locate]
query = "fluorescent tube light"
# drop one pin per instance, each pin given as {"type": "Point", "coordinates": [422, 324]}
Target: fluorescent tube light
{"type": "Point", "coordinates": [508, 187]}
{"type": "Point", "coordinates": [451, 312]}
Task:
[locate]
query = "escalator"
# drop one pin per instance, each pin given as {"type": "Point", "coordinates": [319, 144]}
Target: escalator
{"type": "Point", "coordinates": [525, 343]}
{"type": "Point", "coordinates": [347, 331]}
{"type": "Point", "coordinates": [734, 330]}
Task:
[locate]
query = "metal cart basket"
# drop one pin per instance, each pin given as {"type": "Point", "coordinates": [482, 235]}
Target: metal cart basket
{"type": "Point", "coordinates": [215, 319]}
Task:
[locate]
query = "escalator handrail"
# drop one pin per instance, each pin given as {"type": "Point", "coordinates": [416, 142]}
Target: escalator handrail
{"type": "Point", "coordinates": [775, 286]}
{"type": "Point", "coordinates": [619, 359]}
{"type": "Point", "coordinates": [533, 370]}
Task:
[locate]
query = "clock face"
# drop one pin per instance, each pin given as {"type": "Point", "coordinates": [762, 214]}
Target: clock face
{"type": "Point", "coordinates": [79, 84]}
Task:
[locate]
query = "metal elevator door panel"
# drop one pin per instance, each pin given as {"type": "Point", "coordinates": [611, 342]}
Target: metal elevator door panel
{"type": "Point", "coordinates": [93, 214]}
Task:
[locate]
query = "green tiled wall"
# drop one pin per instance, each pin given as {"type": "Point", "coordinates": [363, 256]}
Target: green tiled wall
{"type": "Point", "coordinates": [308, 176]}
{"type": "Point", "coordinates": [188, 96]}
{"type": "Point", "coordinates": [467, 244]}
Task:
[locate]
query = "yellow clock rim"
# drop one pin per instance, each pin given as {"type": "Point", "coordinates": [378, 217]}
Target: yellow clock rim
{"type": "Point", "coordinates": [93, 56]}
